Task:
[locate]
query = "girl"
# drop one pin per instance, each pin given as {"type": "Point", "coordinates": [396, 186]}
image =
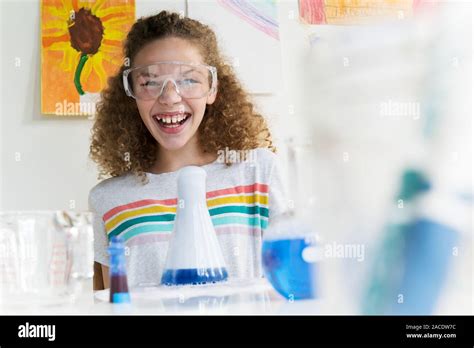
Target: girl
{"type": "Point", "coordinates": [177, 104]}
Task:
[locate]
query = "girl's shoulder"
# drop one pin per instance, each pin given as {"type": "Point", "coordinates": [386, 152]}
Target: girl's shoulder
{"type": "Point", "coordinates": [251, 162]}
{"type": "Point", "coordinates": [266, 154]}
{"type": "Point", "coordinates": [113, 184]}
{"type": "Point", "coordinates": [264, 157]}
{"type": "Point", "coordinates": [260, 156]}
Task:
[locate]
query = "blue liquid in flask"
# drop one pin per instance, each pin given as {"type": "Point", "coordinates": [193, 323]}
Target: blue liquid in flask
{"type": "Point", "coordinates": [193, 276]}
{"type": "Point", "coordinates": [287, 271]}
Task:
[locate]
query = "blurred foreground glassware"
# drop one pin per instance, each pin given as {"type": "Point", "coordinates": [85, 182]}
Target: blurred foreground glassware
{"type": "Point", "coordinates": [46, 257]}
{"type": "Point", "coordinates": [289, 254]}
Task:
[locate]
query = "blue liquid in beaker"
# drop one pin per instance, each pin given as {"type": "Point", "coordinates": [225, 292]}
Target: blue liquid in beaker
{"type": "Point", "coordinates": [287, 271]}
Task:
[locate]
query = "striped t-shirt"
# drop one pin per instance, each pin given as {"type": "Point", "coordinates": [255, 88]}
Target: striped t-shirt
{"type": "Point", "coordinates": [241, 198]}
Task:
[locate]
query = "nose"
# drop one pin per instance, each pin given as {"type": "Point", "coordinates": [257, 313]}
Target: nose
{"type": "Point", "coordinates": [169, 93]}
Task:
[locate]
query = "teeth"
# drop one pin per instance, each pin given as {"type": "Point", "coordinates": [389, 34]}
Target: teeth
{"type": "Point", "coordinates": [171, 120]}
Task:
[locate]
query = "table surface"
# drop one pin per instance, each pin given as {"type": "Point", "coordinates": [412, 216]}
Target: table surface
{"type": "Point", "coordinates": [251, 299]}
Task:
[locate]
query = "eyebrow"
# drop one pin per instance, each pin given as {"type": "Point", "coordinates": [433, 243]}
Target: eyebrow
{"type": "Point", "coordinates": [191, 70]}
{"type": "Point", "coordinates": [147, 74]}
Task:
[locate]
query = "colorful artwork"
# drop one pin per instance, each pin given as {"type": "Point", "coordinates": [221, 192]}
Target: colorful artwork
{"type": "Point", "coordinates": [355, 11]}
{"type": "Point", "coordinates": [262, 15]}
{"type": "Point", "coordinates": [81, 46]}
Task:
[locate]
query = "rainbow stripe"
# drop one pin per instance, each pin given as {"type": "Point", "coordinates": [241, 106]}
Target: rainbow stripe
{"type": "Point", "coordinates": [239, 209]}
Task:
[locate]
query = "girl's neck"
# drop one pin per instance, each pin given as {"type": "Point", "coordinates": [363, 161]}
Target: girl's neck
{"type": "Point", "coordinates": [173, 160]}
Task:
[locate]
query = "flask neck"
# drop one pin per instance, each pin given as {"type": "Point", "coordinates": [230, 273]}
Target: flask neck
{"type": "Point", "coordinates": [192, 187]}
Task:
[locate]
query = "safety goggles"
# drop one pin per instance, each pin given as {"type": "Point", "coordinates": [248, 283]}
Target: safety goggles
{"type": "Point", "coordinates": [190, 80]}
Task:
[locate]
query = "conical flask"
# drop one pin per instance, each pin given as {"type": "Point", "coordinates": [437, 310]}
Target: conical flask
{"type": "Point", "coordinates": [194, 254]}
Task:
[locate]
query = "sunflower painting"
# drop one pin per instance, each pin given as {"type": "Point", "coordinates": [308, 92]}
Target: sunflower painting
{"type": "Point", "coordinates": [81, 46]}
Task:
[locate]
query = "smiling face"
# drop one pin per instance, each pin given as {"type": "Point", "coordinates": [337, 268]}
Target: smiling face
{"type": "Point", "coordinates": [171, 119]}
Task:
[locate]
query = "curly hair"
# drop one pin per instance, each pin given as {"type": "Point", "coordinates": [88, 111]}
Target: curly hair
{"type": "Point", "coordinates": [121, 143]}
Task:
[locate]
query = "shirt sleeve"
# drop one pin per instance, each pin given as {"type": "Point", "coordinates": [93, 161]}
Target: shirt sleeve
{"type": "Point", "coordinates": [100, 236]}
{"type": "Point", "coordinates": [278, 202]}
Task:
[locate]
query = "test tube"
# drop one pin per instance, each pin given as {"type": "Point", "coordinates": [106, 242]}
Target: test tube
{"type": "Point", "coordinates": [118, 274]}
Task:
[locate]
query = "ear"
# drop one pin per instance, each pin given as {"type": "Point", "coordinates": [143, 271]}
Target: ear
{"type": "Point", "coordinates": [212, 96]}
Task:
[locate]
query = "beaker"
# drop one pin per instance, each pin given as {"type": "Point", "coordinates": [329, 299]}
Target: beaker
{"type": "Point", "coordinates": [44, 256]}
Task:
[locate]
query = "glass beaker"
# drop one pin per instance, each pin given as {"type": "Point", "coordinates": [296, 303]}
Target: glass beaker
{"type": "Point", "coordinates": [45, 256]}
{"type": "Point", "coordinates": [289, 254]}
